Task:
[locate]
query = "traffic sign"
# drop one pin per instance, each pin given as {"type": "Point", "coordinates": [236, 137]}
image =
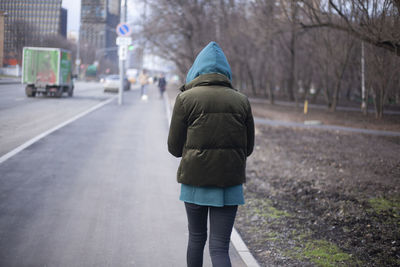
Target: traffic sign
{"type": "Point", "coordinates": [124, 40]}
{"type": "Point", "coordinates": [123, 29]}
{"type": "Point", "coordinates": [123, 52]}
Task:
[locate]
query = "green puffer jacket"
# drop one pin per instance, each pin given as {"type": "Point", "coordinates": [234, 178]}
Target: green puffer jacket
{"type": "Point", "coordinates": [212, 129]}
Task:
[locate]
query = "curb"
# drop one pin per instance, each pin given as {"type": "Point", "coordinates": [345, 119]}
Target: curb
{"type": "Point", "coordinates": [242, 250]}
{"type": "Point", "coordinates": [236, 240]}
{"type": "Point", "coordinates": [9, 81]}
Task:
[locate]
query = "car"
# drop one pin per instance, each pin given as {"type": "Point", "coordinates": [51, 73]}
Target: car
{"type": "Point", "coordinates": [111, 83]}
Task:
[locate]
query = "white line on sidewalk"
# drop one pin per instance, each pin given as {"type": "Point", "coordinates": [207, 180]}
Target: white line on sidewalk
{"type": "Point", "coordinates": [236, 240]}
{"type": "Point", "coordinates": [42, 135]}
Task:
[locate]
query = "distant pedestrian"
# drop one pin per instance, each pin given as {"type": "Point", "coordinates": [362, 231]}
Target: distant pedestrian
{"type": "Point", "coordinates": [212, 129]}
{"type": "Point", "coordinates": [144, 81]}
{"type": "Point", "coordinates": [162, 84]}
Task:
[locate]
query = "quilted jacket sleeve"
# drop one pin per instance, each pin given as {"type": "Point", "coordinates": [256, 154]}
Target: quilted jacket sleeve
{"type": "Point", "coordinates": [250, 130]}
{"type": "Point", "coordinates": [178, 129]}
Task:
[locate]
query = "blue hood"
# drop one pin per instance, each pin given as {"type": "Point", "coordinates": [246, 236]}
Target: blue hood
{"type": "Point", "coordinates": [210, 60]}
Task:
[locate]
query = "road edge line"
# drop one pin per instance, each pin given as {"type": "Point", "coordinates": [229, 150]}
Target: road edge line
{"type": "Point", "coordinates": [236, 240]}
{"type": "Point", "coordinates": [30, 142]}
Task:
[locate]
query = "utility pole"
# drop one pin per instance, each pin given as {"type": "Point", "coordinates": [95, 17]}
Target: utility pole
{"type": "Point", "coordinates": [363, 95]}
{"type": "Point", "coordinates": [78, 54]}
{"type": "Point", "coordinates": [121, 58]}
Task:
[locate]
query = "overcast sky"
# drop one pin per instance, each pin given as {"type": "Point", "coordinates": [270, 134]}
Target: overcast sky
{"type": "Point", "coordinates": [74, 12]}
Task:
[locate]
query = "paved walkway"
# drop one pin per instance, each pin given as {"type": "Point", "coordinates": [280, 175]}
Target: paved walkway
{"type": "Point", "coordinates": [324, 127]}
{"type": "Point", "coordinates": [9, 80]}
{"type": "Point", "coordinates": [319, 106]}
{"type": "Point", "coordinates": [100, 191]}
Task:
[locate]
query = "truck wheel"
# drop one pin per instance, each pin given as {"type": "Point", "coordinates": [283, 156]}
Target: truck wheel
{"type": "Point", "coordinates": [29, 91]}
{"type": "Point", "coordinates": [59, 91]}
{"type": "Point", "coordinates": [70, 91]}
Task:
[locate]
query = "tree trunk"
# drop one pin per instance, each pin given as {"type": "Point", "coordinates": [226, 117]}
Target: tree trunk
{"type": "Point", "coordinates": [270, 93]}
{"type": "Point", "coordinates": [293, 40]}
{"type": "Point", "coordinates": [335, 96]}
{"type": "Point", "coordinates": [251, 78]}
{"type": "Point", "coordinates": [377, 97]}
{"type": "Point", "coordinates": [292, 70]}
{"type": "Point", "coordinates": [365, 109]}
{"type": "Point", "coordinates": [335, 99]}
{"type": "Point", "coordinates": [327, 95]}
{"type": "Point", "coordinates": [381, 102]}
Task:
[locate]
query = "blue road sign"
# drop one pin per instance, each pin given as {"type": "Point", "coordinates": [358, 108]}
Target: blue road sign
{"type": "Point", "coordinates": [123, 29]}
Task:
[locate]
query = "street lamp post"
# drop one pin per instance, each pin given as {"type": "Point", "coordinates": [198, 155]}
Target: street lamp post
{"type": "Point", "coordinates": [122, 61]}
{"type": "Point", "coordinates": [78, 53]}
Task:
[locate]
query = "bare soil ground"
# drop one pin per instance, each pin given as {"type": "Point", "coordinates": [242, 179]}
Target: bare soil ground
{"type": "Point", "coordinates": [322, 198]}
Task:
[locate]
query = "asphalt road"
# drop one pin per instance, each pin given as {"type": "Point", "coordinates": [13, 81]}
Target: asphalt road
{"type": "Point", "coordinates": [22, 118]}
{"type": "Point", "coordinates": [100, 191]}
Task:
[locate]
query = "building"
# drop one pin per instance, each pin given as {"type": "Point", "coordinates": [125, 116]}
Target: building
{"type": "Point", "coordinates": [63, 22]}
{"type": "Point", "coordinates": [28, 21]}
{"type": "Point", "coordinates": [99, 19]}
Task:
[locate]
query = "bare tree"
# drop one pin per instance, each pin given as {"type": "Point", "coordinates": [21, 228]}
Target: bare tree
{"type": "Point", "coordinates": [23, 35]}
{"type": "Point", "coordinates": [382, 70]}
{"type": "Point", "coordinates": [282, 48]}
{"type": "Point", "coordinates": [374, 21]}
{"type": "Point", "coordinates": [177, 29]}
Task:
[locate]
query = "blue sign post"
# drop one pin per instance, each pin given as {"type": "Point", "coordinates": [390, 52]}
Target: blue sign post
{"type": "Point", "coordinates": [123, 29]}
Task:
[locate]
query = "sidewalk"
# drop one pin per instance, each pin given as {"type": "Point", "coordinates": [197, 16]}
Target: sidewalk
{"type": "Point", "coordinates": [319, 106]}
{"type": "Point", "coordinates": [100, 191]}
{"type": "Point", "coordinates": [9, 80]}
{"type": "Point", "coordinates": [325, 127]}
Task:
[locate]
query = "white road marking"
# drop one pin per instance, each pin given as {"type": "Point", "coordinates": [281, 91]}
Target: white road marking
{"type": "Point", "coordinates": [42, 135]}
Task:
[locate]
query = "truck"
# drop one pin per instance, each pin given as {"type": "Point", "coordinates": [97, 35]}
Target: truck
{"type": "Point", "coordinates": [91, 73]}
{"type": "Point", "coordinates": [47, 71]}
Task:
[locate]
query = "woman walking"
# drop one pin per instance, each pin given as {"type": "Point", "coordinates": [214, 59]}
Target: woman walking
{"type": "Point", "coordinates": [212, 129]}
{"type": "Point", "coordinates": [144, 81]}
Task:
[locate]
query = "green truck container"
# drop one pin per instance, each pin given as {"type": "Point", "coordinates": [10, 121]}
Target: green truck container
{"type": "Point", "coordinates": [47, 71]}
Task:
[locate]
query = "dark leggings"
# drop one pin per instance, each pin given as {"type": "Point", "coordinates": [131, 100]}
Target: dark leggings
{"type": "Point", "coordinates": [221, 224]}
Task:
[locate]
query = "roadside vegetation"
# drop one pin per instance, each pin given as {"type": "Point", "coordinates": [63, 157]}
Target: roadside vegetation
{"type": "Point", "coordinates": [319, 197]}
{"type": "Point", "coordinates": [313, 197]}
{"type": "Point", "coordinates": [330, 52]}
{"type": "Point", "coordinates": [322, 198]}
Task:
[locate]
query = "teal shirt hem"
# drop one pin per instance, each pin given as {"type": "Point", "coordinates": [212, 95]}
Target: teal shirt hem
{"type": "Point", "coordinates": [212, 196]}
